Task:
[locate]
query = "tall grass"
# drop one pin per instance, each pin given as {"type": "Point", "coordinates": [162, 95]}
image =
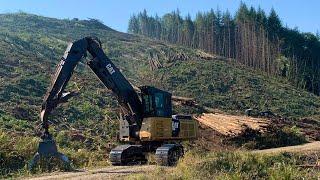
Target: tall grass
{"type": "Point", "coordinates": [17, 151]}
{"type": "Point", "coordinates": [234, 165]}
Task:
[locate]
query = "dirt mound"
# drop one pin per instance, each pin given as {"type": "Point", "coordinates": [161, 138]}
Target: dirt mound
{"type": "Point", "coordinates": [308, 127]}
{"type": "Point", "coordinates": [230, 125]}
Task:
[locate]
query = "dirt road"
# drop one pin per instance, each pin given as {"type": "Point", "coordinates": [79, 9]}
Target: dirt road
{"type": "Point", "coordinates": [304, 148]}
{"type": "Point", "coordinates": [112, 172]}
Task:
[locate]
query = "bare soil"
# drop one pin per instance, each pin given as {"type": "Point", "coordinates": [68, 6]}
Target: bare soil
{"type": "Point", "coordinates": [112, 172]}
{"type": "Point", "coordinates": [307, 148]}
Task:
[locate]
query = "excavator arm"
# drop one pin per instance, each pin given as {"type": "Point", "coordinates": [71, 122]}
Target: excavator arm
{"type": "Point", "coordinates": [105, 70]}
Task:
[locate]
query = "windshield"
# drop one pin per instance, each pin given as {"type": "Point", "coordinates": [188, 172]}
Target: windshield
{"type": "Point", "coordinates": [159, 100]}
{"type": "Point", "coordinates": [157, 104]}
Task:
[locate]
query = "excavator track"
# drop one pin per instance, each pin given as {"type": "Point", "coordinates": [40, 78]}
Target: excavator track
{"type": "Point", "coordinates": [127, 155]}
{"type": "Point", "coordinates": [169, 154]}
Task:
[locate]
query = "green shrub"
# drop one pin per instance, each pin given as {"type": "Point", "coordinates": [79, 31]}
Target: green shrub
{"type": "Point", "coordinates": [15, 152]}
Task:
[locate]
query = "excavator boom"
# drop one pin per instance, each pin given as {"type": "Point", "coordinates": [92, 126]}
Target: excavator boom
{"type": "Point", "coordinates": [105, 70]}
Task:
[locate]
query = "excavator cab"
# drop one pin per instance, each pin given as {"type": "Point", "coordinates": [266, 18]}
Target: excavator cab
{"type": "Point", "coordinates": [155, 102]}
{"type": "Point", "coordinates": [157, 108]}
{"type": "Point", "coordinates": [158, 123]}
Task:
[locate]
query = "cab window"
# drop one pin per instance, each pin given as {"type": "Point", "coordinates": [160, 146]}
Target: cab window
{"type": "Point", "coordinates": [159, 99]}
{"type": "Point", "coordinates": [157, 104]}
{"type": "Point", "coordinates": [148, 108]}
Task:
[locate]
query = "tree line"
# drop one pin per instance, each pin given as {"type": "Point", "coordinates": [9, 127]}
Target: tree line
{"type": "Point", "coordinates": [250, 37]}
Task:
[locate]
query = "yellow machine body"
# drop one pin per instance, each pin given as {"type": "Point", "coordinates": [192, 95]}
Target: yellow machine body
{"type": "Point", "coordinates": [160, 129]}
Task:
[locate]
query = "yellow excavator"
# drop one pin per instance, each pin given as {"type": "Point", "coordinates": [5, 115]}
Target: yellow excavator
{"type": "Point", "coordinates": [146, 124]}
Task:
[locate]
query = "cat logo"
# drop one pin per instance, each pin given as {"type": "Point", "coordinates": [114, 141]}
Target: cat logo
{"type": "Point", "coordinates": [110, 69]}
{"type": "Point", "coordinates": [175, 128]}
{"type": "Point", "coordinates": [175, 125]}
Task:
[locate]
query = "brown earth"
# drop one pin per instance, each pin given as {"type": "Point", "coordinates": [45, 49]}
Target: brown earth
{"type": "Point", "coordinates": [111, 172]}
{"type": "Point", "coordinates": [313, 147]}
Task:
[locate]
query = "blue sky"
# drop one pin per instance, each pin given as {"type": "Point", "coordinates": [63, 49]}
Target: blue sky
{"type": "Point", "coordinates": [295, 13]}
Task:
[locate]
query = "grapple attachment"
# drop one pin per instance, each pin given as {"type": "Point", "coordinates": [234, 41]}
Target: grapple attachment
{"type": "Point", "coordinates": [48, 149]}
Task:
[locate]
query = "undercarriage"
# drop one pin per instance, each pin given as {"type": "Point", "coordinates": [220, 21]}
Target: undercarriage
{"type": "Point", "coordinates": [167, 154]}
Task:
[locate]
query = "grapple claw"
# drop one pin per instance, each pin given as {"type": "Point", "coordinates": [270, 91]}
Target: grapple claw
{"type": "Point", "coordinates": [47, 148]}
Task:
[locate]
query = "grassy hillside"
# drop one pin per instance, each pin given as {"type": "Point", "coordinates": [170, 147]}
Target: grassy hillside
{"type": "Point", "coordinates": [86, 127]}
{"type": "Point", "coordinates": [222, 85]}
